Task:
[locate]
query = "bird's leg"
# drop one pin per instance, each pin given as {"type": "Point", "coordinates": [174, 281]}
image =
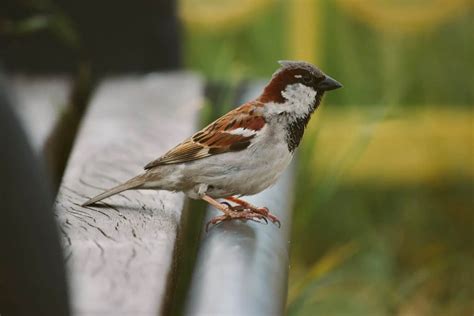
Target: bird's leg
{"type": "Point", "coordinates": [238, 208]}
{"type": "Point", "coordinates": [259, 210]}
{"type": "Point", "coordinates": [230, 213]}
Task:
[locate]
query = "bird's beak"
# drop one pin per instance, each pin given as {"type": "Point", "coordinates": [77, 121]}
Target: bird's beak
{"type": "Point", "coordinates": [329, 84]}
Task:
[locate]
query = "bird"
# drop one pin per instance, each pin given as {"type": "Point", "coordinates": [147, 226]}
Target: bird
{"type": "Point", "coordinates": [244, 151]}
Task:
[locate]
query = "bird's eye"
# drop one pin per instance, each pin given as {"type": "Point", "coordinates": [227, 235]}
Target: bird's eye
{"type": "Point", "coordinates": [307, 79]}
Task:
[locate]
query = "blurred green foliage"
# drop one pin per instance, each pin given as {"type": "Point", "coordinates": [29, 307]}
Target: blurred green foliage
{"type": "Point", "coordinates": [428, 67]}
{"type": "Point", "coordinates": [245, 52]}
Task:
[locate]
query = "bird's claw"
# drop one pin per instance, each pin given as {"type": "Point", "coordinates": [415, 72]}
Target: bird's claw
{"type": "Point", "coordinates": [236, 208]}
{"type": "Point", "coordinates": [226, 204]}
{"type": "Point", "coordinates": [266, 212]}
{"type": "Point", "coordinates": [242, 214]}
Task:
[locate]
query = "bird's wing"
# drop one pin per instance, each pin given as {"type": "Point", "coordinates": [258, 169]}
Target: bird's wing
{"type": "Point", "coordinates": [231, 132]}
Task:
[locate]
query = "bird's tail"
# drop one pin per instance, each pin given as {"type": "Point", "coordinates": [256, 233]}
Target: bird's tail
{"type": "Point", "coordinates": [133, 183]}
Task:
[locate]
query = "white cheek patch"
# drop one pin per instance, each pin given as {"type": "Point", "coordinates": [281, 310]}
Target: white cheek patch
{"type": "Point", "coordinates": [242, 132]}
{"type": "Point", "coordinates": [299, 93]}
{"type": "Point", "coordinates": [299, 100]}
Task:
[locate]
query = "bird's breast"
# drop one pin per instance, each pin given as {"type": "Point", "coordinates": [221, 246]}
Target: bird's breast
{"type": "Point", "coordinates": [245, 172]}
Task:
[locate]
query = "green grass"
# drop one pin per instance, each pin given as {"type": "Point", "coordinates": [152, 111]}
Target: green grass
{"type": "Point", "coordinates": [412, 241]}
{"type": "Point", "coordinates": [407, 231]}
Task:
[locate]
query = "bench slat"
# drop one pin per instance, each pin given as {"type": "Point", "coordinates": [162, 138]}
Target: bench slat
{"type": "Point", "coordinates": [120, 256]}
{"type": "Point", "coordinates": [242, 268]}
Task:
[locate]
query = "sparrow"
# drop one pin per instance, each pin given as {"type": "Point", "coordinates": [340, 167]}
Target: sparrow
{"type": "Point", "coordinates": [243, 152]}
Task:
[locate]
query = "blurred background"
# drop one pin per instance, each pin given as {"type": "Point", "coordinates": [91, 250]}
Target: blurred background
{"type": "Point", "coordinates": [383, 213]}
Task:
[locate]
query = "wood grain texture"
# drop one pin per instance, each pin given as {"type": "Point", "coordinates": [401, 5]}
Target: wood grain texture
{"type": "Point", "coordinates": [242, 268]}
{"type": "Point", "coordinates": [120, 255]}
{"type": "Point", "coordinates": [39, 102]}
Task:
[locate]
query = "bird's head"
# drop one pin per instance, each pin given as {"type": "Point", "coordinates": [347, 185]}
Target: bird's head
{"type": "Point", "coordinates": [297, 88]}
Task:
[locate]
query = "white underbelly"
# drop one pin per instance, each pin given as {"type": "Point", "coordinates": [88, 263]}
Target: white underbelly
{"type": "Point", "coordinates": [245, 172]}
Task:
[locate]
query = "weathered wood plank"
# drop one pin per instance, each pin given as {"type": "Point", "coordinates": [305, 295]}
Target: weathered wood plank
{"type": "Point", "coordinates": [242, 268]}
{"type": "Point", "coordinates": [39, 102]}
{"type": "Point", "coordinates": [120, 256]}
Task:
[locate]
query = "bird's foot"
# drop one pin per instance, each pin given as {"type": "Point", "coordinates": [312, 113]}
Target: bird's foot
{"type": "Point", "coordinates": [236, 208]}
{"type": "Point", "coordinates": [237, 212]}
{"type": "Point", "coordinates": [244, 205]}
{"type": "Point", "coordinates": [266, 212]}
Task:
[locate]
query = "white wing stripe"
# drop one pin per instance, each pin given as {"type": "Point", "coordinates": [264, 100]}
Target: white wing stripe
{"type": "Point", "coordinates": [242, 132]}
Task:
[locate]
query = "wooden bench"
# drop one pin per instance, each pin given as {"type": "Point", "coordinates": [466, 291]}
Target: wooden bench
{"type": "Point", "coordinates": [121, 257]}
